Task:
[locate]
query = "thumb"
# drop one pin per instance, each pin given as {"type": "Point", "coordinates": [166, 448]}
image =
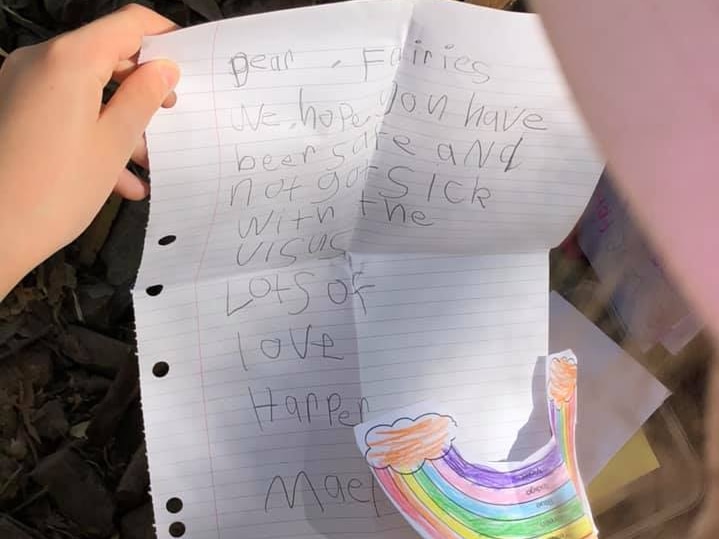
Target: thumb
{"type": "Point", "coordinates": [126, 116]}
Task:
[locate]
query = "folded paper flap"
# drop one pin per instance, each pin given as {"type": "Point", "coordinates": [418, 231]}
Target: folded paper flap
{"type": "Point", "coordinates": [415, 454]}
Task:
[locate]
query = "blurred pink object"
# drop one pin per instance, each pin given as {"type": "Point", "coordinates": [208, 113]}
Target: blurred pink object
{"type": "Point", "coordinates": [645, 76]}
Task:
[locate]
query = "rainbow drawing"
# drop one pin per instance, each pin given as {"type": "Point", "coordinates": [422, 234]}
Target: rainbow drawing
{"type": "Point", "coordinates": [443, 496]}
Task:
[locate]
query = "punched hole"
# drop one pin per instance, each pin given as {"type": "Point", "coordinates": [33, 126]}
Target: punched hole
{"type": "Point", "coordinates": [177, 529]}
{"type": "Point", "coordinates": [167, 240]}
{"type": "Point", "coordinates": [154, 290]}
{"type": "Point", "coordinates": [174, 505]}
{"type": "Point", "coordinates": [160, 370]}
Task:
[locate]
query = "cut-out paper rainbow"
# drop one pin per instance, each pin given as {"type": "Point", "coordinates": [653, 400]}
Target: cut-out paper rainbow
{"type": "Point", "coordinates": [443, 496]}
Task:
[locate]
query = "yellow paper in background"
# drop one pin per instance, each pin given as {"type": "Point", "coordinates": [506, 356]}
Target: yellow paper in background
{"type": "Point", "coordinates": [633, 461]}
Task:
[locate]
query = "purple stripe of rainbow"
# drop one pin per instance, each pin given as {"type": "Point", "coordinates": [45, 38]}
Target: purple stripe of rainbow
{"type": "Point", "coordinates": [505, 496]}
{"type": "Point", "coordinates": [491, 477]}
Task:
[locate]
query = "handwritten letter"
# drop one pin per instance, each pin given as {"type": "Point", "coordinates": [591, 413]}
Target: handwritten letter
{"type": "Point", "coordinates": [351, 207]}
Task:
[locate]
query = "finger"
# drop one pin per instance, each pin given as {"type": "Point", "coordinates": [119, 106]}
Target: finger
{"type": "Point", "coordinates": [131, 187]}
{"type": "Point", "coordinates": [118, 36]}
{"type": "Point", "coordinates": [125, 68]}
{"type": "Point", "coordinates": [128, 112]}
{"type": "Point", "coordinates": [170, 100]}
{"type": "Point", "coordinates": [139, 154]}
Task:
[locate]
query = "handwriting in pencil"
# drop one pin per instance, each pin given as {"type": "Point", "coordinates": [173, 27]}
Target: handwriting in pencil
{"type": "Point", "coordinates": [327, 409]}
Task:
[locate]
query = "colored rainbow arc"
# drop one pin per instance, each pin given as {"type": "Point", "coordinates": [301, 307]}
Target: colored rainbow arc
{"type": "Point", "coordinates": [448, 497]}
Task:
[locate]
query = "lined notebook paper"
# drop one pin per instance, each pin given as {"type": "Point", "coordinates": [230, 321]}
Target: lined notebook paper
{"type": "Point", "coordinates": [361, 198]}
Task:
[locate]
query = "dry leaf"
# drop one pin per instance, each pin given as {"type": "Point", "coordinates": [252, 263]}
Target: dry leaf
{"type": "Point", "coordinates": [79, 431]}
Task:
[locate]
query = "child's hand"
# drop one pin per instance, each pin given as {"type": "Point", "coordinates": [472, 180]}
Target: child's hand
{"type": "Point", "coordinates": [61, 153]}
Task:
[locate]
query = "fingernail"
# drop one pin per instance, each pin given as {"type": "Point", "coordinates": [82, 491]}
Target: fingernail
{"type": "Point", "coordinates": [170, 73]}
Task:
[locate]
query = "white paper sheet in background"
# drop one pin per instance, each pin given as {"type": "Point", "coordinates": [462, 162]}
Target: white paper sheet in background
{"type": "Point", "coordinates": [362, 197]}
{"type": "Point", "coordinates": [648, 302]}
{"type": "Point", "coordinates": [616, 394]}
